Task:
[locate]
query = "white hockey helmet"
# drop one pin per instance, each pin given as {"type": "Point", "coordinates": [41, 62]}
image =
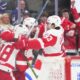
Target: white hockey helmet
{"type": "Point", "coordinates": [54, 19]}
{"type": "Point", "coordinates": [20, 30]}
{"type": "Point", "coordinates": [30, 21]}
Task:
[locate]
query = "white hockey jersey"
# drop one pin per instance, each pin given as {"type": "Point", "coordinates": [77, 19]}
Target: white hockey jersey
{"type": "Point", "coordinates": [51, 42]}
{"type": "Point", "coordinates": [57, 47]}
{"type": "Point", "coordinates": [11, 58]}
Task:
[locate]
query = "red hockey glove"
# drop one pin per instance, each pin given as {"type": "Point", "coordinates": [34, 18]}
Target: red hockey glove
{"type": "Point", "coordinates": [21, 42]}
{"type": "Point", "coordinates": [7, 35]}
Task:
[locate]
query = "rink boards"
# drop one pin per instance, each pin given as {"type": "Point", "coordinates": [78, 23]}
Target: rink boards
{"type": "Point", "coordinates": [67, 68]}
{"type": "Point", "coordinates": [57, 68]}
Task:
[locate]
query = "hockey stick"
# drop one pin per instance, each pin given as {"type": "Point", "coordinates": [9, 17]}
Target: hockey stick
{"type": "Point", "coordinates": [19, 12]}
{"type": "Point", "coordinates": [38, 16]}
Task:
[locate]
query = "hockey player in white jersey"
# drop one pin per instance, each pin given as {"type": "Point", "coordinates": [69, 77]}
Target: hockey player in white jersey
{"type": "Point", "coordinates": [11, 59]}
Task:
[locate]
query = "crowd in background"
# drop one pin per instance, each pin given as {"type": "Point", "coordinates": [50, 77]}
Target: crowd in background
{"type": "Point", "coordinates": [71, 40]}
{"type": "Point", "coordinates": [23, 23]}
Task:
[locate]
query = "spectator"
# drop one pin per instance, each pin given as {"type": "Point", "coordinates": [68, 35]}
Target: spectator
{"type": "Point", "coordinates": [15, 13]}
{"type": "Point", "coordinates": [26, 14]}
{"type": "Point", "coordinates": [76, 17]}
{"type": "Point", "coordinates": [69, 34]}
{"type": "Point", "coordinates": [5, 22]}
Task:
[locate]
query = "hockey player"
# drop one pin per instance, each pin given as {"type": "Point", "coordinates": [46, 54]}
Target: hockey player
{"type": "Point", "coordinates": [11, 59]}
{"type": "Point", "coordinates": [76, 17]}
{"type": "Point", "coordinates": [18, 31]}
{"type": "Point", "coordinates": [29, 23]}
{"type": "Point", "coordinates": [52, 38]}
{"type": "Point", "coordinates": [24, 30]}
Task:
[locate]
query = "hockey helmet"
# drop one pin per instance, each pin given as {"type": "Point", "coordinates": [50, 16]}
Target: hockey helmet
{"type": "Point", "coordinates": [20, 30]}
{"type": "Point", "coordinates": [30, 21]}
{"type": "Point", "coordinates": [54, 19]}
